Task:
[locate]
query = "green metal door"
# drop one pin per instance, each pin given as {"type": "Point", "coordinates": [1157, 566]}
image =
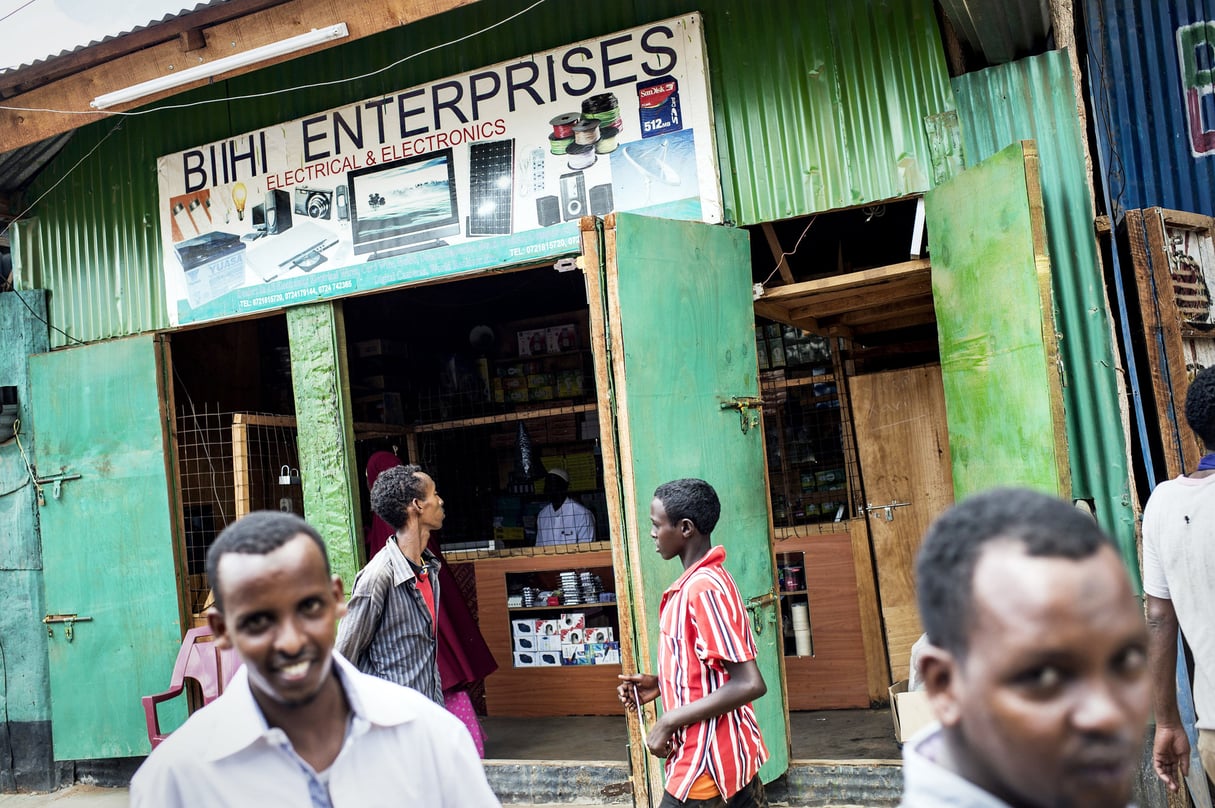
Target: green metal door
{"type": "Point", "coordinates": [107, 541]}
{"type": "Point", "coordinates": [991, 287]}
{"type": "Point", "coordinates": [682, 332]}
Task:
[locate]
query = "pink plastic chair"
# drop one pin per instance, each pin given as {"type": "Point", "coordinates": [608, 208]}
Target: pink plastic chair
{"type": "Point", "coordinates": [198, 660]}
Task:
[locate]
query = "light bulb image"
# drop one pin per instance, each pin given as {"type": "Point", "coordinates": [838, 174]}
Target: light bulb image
{"type": "Point", "coordinates": [239, 194]}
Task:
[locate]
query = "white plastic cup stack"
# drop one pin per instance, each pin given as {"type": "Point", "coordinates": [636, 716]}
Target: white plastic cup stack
{"type": "Point", "coordinates": [801, 628]}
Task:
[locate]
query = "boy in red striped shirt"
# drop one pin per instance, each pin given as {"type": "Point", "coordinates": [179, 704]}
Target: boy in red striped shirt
{"type": "Point", "coordinates": [708, 677]}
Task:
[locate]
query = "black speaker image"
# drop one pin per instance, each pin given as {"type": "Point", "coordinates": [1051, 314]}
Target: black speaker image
{"type": "Point", "coordinates": [601, 200]}
{"type": "Point", "coordinates": [548, 210]}
{"type": "Point", "coordinates": [343, 207]}
{"type": "Point", "coordinates": [573, 195]}
{"type": "Point", "coordinates": [278, 212]}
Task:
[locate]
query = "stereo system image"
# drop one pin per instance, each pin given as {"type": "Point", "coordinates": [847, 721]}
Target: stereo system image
{"type": "Point", "coordinates": [573, 195]}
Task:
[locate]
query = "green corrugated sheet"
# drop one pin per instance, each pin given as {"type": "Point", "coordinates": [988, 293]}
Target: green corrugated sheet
{"type": "Point", "coordinates": [1032, 99]}
{"type": "Point", "coordinates": [818, 105]}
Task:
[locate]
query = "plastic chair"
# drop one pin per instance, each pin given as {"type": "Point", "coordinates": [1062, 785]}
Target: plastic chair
{"type": "Point", "coordinates": [198, 660]}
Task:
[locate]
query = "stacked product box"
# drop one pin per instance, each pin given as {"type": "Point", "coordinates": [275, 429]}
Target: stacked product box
{"type": "Point", "coordinates": [581, 645]}
{"type": "Point", "coordinates": [537, 643]}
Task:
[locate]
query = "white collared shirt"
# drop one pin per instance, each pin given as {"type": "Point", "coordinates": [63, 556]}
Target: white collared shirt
{"type": "Point", "coordinates": [572, 522]}
{"type": "Point", "coordinates": [402, 749]}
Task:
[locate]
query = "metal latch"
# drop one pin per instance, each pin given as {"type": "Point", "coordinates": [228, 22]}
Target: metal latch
{"type": "Point", "coordinates": [68, 620]}
{"type": "Point", "coordinates": [889, 509]}
{"type": "Point", "coordinates": [758, 602]}
{"type": "Point", "coordinates": [57, 488]}
{"type": "Point", "coordinates": [748, 410]}
{"type": "Point", "coordinates": [569, 264]}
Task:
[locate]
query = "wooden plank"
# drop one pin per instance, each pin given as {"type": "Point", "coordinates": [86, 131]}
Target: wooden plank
{"type": "Point", "coordinates": [1188, 451]}
{"type": "Point", "coordinates": [240, 466]}
{"type": "Point", "coordinates": [56, 68]}
{"type": "Point", "coordinates": [1149, 311]}
{"type": "Point", "coordinates": [1050, 331]}
{"type": "Point", "coordinates": [903, 445]}
{"type": "Point", "coordinates": [835, 676]}
{"type": "Point", "coordinates": [504, 417]}
{"type": "Point", "coordinates": [1180, 218]}
{"type": "Point", "coordinates": [21, 127]}
{"type": "Point", "coordinates": [827, 304]}
{"type": "Point", "coordinates": [877, 670]}
{"type": "Point", "coordinates": [866, 277]}
{"type": "Point", "coordinates": [778, 252]}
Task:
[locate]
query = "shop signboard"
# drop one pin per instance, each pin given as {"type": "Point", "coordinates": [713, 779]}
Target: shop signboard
{"type": "Point", "coordinates": [489, 167]}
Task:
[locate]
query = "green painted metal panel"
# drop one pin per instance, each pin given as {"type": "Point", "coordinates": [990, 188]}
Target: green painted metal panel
{"type": "Point", "coordinates": [689, 343]}
{"type": "Point", "coordinates": [23, 692]}
{"type": "Point", "coordinates": [999, 400]}
{"type": "Point", "coordinates": [821, 104]}
{"type": "Point", "coordinates": [325, 436]}
{"type": "Point", "coordinates": [1033, 99]}
{"type": "Point", "coordinates": [818, 105]}
{"type": "Point", "coordinates": [107, 541]}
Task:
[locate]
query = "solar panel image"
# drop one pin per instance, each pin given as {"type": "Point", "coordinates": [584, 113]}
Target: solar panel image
{"type": "Point", "coordinates": [491, 180]}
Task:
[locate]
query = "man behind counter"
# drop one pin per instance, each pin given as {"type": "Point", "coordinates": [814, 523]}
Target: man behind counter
{"type": "Point", "coordinates": [563, 520]}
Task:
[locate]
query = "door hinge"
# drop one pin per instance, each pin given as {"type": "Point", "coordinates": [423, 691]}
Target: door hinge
{"type": "Point", "coordinates": [748, 408]}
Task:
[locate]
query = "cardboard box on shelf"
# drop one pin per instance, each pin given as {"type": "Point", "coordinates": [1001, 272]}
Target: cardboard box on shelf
{"type": "Point", "coordinates": [548, 628]}
{"type": "Point", "coordinates": [599, 634]}
{"type": "Point", "coordinates": [549, 642]}
{"type": "Point", "coordinates": [910, 711]}
{"type": "Point", "coordinates": [545, 393]}
{"type": "Point", "coordinates": [381, 347]}
{"type": "Point", "coordinates": [525, 659]}
{"type": "Point", "coordinates": [533, 342]}
{"type": "Point", "coordinates": [547, 659]}
{"type": "Point", "coordinates": [523, 628]}
{"type": "Point", "coordinates": [528, 643]}
{"type": "Point", "coordinates": [509, 534]}
{"type": "Point", "coordinates": [575, 654]}
{"type": "Point", "coordinates": [561, 338]}
{"type": "Point", "coordinates": [603, 653]}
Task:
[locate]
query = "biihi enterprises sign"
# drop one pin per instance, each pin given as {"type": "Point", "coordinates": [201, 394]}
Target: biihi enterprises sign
{"type": "Point", "coordinates": [487, 168]}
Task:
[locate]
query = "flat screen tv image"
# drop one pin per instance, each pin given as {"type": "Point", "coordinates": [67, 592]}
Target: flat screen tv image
{"type": "Point", "coordinates": [404, 205]}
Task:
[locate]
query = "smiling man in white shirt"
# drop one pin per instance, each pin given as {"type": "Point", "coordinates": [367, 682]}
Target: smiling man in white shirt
{"type": "Point", "coordinates": [298, 725]}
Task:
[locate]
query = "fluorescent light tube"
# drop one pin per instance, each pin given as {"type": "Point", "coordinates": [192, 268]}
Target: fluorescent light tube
{"type": "Point", "coordinates": [314, 37]}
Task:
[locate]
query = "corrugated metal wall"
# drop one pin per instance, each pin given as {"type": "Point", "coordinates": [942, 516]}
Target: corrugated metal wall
{"type": "Point", "coordinates": [1139, 101]}
{"type": "Point", "coordinates": [1032, 99]}
{"type": "Point", "coordinates": [818, 105]}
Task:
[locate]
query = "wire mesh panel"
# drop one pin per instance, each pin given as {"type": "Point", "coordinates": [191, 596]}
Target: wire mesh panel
{"type": "Point", "coordinates": [812, 469]}
{"type": "Point", "coordinates": [230, 464]}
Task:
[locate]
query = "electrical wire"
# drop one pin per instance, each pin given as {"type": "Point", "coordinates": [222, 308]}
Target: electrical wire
{"type": "Point", "coordinates": [785, 255]}
{"type": "Point", "coordinates": [284, 90]}
{"type": "Point", "coordinates": [18, 8]}
{"type": "Point", "coordinates": [28, 468]}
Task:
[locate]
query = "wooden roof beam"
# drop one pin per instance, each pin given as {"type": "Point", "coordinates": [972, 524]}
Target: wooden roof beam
{"type": "Point", "coordinates": [866, 277]}
{"type": "Point", "coordinates": [273, 21]}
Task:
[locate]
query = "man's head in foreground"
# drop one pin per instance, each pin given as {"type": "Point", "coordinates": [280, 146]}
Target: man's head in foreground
{"type": "Point", "coordinates": [276, 603]}
{"type": "Point", "coordinates": [1037, 666]}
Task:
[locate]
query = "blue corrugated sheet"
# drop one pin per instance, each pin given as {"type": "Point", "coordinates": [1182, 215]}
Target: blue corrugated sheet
{"type": "Point", "coordinates": [1033, 99]}
{"type": "Point", "coordinates": [1140, 97]}
{"type": "Point", "coordinates": [817, 105]}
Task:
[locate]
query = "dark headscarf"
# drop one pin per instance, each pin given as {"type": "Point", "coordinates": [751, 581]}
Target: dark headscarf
{"type": "Point", "coordinates": [379, 531]}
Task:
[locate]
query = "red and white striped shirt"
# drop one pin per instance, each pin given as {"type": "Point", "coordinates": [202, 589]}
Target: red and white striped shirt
{"type": "Point", "coordinates": [703, 622]}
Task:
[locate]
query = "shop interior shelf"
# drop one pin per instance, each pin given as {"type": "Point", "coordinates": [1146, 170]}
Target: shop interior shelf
{"type": "Point", "coordinates": [562, 608]}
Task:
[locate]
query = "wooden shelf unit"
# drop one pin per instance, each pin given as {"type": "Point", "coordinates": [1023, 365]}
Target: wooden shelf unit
{"type": "Point", "coordinates": [834, 677]}
{"type": "Point", "coordinates": [540, 691]}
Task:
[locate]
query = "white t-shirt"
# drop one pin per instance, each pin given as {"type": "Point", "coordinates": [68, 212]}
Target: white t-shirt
{"type": "Point", "coordinates": [573, 522]}
{"type": "Point", "coordinates": [1179, 565]}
